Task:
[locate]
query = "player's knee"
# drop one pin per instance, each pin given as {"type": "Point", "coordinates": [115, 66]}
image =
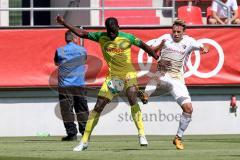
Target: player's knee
{"type": "Point", "coordinates": [187, 108]}
{"type": "Point", "coordinates": [131, 90]}
{"type": "Point", "coordinates": [132, 95]}
{"type": "Point", "coordinates": [101, 103]}
{"type": "Point", "coordinates": [190, 109]}
{"type": "Point", "coordinates": [132, 100]}
{"type": "Point", "coordinates": [98, 109]}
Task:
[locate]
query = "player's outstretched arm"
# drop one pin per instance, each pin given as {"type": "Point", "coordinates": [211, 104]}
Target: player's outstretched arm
{"type": "Point", "coordinates": [149, 50]}
{"type": "Point", "coordinates": [79, 32]}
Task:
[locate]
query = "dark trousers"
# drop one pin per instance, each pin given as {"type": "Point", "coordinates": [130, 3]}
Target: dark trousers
{"type": "Point", "coordinates": [73, 98]}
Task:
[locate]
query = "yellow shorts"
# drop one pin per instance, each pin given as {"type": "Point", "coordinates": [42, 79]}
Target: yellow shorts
{"type": "Point", "coordinates": [129, 80]}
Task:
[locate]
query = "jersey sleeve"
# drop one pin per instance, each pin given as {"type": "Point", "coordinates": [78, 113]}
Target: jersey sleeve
{"type": "Point", "coordinates": [94, 36]}
{"type": "Point", "coordinates": [134, 40]}
{"type": "Point", "coordinates": [195, 44]}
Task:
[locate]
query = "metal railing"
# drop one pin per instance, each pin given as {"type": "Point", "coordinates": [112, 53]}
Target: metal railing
{"type": "Point", "coordinates": [103, 8]}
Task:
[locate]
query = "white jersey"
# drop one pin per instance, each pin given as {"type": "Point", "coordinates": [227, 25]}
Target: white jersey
{"type": "Point", "coordinates": [177, 53]}
{"type": "Point", "coordinates": [222, 11]}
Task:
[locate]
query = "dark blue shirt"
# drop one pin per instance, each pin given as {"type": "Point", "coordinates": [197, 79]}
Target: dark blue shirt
{"type": "Point", "coordinates": [71, 61]}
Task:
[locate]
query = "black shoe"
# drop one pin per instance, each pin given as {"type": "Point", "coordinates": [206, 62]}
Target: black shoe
{"type": "Point", "coordinates": [69, 138]}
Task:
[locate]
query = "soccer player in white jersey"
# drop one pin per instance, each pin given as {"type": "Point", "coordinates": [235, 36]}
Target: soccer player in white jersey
{"type": "Point", "coordinates": [175, 48]}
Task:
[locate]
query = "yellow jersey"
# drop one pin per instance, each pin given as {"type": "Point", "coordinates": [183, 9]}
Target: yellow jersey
{"type": "Point", "coordinates": [117, 52]}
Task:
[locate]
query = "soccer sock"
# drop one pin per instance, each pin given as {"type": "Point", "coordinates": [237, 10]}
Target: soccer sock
{"type": "Point", "coordinates": [151, 87]}
{"type": "Point", "coordinates": [91, 123]}
{"type": "Point", "coordinates": [137, 118]}
{"type": "Point", "coordinates": [183, 124]}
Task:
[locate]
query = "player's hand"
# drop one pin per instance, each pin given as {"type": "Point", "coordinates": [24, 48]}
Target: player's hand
{"type": "Point", "coordinates": [160, 46]}
{"type": "Point", "coordinates": [158, 49]}
{"type": "Point", "coordinates": [163, 65]}
{"type": "Point", "coordinates": [205, 49]}
{"type": "Point", "coordinates": [60, 20]}
{"type": "Point", "coordinates": [162, 43]}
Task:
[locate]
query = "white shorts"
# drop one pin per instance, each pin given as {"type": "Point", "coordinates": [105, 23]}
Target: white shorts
{"type": "Point", "coordinates": [167, 84]}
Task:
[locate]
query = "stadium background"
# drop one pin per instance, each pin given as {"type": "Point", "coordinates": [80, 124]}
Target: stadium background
{"type": "Point", "coordinates": [29, 104]}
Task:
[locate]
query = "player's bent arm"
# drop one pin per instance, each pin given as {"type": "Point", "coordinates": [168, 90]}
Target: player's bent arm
{"type": "Point", "coordinates": [149, 50]}
{"type": "Point", "coordinates": [79, 32]}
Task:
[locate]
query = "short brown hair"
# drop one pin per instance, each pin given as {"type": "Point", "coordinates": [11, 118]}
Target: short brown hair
{"type": "Point", "coordinates": [180, 22]}
{"type": "Point", "coordinates": [68, 36]}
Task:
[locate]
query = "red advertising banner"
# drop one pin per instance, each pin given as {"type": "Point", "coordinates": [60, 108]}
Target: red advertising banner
{"type": "Point", "coordinates": [27, 57]}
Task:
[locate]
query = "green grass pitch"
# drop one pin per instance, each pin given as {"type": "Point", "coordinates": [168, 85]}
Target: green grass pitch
{"type": "Point", "coordinates": [204, 147]}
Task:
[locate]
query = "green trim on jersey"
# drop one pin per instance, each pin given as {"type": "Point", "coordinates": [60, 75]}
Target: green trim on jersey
{"type": "Point", "coordinates": [117, 52]}
{"type": "Point", "coordinates": [95, 36]}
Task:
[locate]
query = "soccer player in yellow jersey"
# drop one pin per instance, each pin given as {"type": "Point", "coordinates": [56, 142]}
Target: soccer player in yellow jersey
{"type": "Point", "coordinates": [116, 49]}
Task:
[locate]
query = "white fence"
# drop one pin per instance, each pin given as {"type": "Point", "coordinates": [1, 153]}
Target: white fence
{"type": "Point", "coordinates": [91, 8]}
{"type": "Point", "coordinates": [29, 116]}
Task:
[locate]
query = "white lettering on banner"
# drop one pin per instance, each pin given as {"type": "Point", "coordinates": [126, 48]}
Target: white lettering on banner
{"type": "Point", "coordinates": [151, 117]}
{"type": "Point", "coordinates": [193, 69]}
